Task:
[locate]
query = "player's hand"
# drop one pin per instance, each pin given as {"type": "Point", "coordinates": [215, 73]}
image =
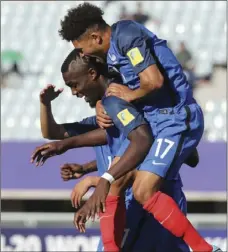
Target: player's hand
{"type": "Point", "coordinates": [79, 191]}
{"type": "Point", "coordinates": [120, 91]}
{"type": "Point", "coordinates": [49, 93]}
{"type": "Point", "coordinates": [43, 152]}
{"type": "Point", "coordinates": [103, 120]}
{"type": "Point", "coordinates": [96, 203]}
{"type": "Point", "coordinates": [71, 171]}
{"type": "Point", "coordinates": [80, 218]}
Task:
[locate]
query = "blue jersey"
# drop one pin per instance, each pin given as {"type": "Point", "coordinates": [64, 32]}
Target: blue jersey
{"type": "Point", "coordinates": [125, 118]}
{"type": "Point", "coordinates": [84, 126]}
{"type": "Point", "coordinates": [133, 48]}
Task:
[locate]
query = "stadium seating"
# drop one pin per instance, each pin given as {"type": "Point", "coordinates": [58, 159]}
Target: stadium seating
{"type": "Point", "coordinates": [32, 28]}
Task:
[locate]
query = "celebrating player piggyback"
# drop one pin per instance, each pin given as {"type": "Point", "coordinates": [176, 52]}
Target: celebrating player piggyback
{"type": "Point", "coordinates": [159, 85]}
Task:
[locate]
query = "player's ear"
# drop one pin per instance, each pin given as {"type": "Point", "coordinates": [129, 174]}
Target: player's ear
{"type": "Point", "coordinates": [93, 73]}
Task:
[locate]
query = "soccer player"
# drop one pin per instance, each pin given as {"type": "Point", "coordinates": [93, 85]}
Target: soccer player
{"type": "Point", "coordinates": [138, 224]}
{"type": "Point", "coordinates": [82, 80]}
{"type": "Point", "coordinates": [159, 85]}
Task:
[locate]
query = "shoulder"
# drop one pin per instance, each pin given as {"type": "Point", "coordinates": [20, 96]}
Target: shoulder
{"type": "Point", "coordinates": [121, 24]}
{"type": "Point", "coordinates": [112, 101]}
{"type": "Point", "coordinates": [123, 27]}
{"type": "Point", "coordinates": [124, 33]}
{"type": "Point", "coordinates": [113, 104]}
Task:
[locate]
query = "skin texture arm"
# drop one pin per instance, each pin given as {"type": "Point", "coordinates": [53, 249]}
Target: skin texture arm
{"type": "Point", "coordinates": [89, 167]}
{"type": "Point", "coordinates": [49, 128]}
{"type": "Point", "coordinates": [150, 80]}
{"type": "Point", "coordinates": [93, 138]}
{"type": "Point", "coordinates": [76, 171]}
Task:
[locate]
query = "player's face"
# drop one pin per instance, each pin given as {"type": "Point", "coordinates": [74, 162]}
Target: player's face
{"type": "Point", "coordinates": [84, 84]}
{"type": "Point", "coordinates": [94, 45]}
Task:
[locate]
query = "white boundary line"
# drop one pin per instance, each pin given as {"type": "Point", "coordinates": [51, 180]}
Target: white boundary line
{"type": "Point", "coordinates": [68, 217]}
{"type": "Point", "coordinates": [65, 194]}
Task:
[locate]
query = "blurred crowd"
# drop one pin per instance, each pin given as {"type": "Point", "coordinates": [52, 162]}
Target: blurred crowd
{"type": "Point", "coordinates": [11, 72]}
{"type": "Point", "coordinates": [12, 75]}
{"type": "Point", "coordinates": [200, 49]}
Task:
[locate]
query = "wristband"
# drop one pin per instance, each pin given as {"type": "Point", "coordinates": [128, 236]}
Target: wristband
{"type": "Point", "coordinates": [108, 177]}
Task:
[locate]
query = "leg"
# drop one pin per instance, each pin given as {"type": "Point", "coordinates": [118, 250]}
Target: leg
{"type": "Point", "coordinates": [166, 239]}
{"type": "Point", "coordinates": [112, 222]}
{"type": "Point", "coordinates": [165, 158]}
{"type": "Point", "coordinates": [166, 211]}
{"type": "Point", "coordinates": [162, 240]}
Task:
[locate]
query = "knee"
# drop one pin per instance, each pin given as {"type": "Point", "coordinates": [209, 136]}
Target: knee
{"type": "Point", "coordinates": [142, 193]}
{"type": "Point", "coordinates": [143, 190]}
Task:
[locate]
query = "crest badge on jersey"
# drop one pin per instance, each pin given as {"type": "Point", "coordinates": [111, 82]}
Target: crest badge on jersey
{"type": "Point", "coordinates": [125, 117]}
{"type": "Point", "coordinates": [135, 56]}
{"type": "Point", "coordinates": [112, 57]}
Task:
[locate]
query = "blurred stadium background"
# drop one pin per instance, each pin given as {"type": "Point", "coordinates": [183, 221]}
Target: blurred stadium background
{"type": "Point", "coordinates": [36, 211]}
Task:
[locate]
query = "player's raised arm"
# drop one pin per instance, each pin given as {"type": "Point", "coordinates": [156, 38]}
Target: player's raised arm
{"type": "Point", "coordinates": [49, 128]}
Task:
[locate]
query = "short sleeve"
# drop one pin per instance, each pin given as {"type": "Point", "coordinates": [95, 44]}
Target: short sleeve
{"type": "Point", "coordinates": [84, 126]}
{"type": "Point", "coordinates": [134, 43]}
{"type": "Point", "coordinates": [124, 115]}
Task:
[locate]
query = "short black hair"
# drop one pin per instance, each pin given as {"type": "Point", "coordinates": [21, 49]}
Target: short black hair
{"type": "Point", "coordinates": [72, 56]}
{"type": "Point", "coordinates": [79, 19]}
{"type": "Point", "coordinates": [87, 61]}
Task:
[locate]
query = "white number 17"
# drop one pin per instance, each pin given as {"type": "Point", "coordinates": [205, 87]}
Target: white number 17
{"type": "Point", "coordinates": [167, 149]}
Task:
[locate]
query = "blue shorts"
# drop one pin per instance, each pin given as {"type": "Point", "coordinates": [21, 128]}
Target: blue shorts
{"type": "Point", "coordinates": [144, 233]}
{"type": "Point", "coordinates": [176, 134]}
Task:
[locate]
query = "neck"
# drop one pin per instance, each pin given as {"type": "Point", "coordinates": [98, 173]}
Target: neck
{"type": "Point", "coordinates": [107, 37]}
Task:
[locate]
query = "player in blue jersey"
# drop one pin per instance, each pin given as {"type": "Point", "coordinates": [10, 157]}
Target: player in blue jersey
{"type": "Point", "coordinates": [138, 224]}
{"type": "Point", "coordinates": [161, 90]}
{"type": "Point", "coordinates": [82, 81]}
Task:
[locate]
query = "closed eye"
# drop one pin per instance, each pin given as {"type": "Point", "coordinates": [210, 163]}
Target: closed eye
{"type": "Point", "coordinates": [71, 84]}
